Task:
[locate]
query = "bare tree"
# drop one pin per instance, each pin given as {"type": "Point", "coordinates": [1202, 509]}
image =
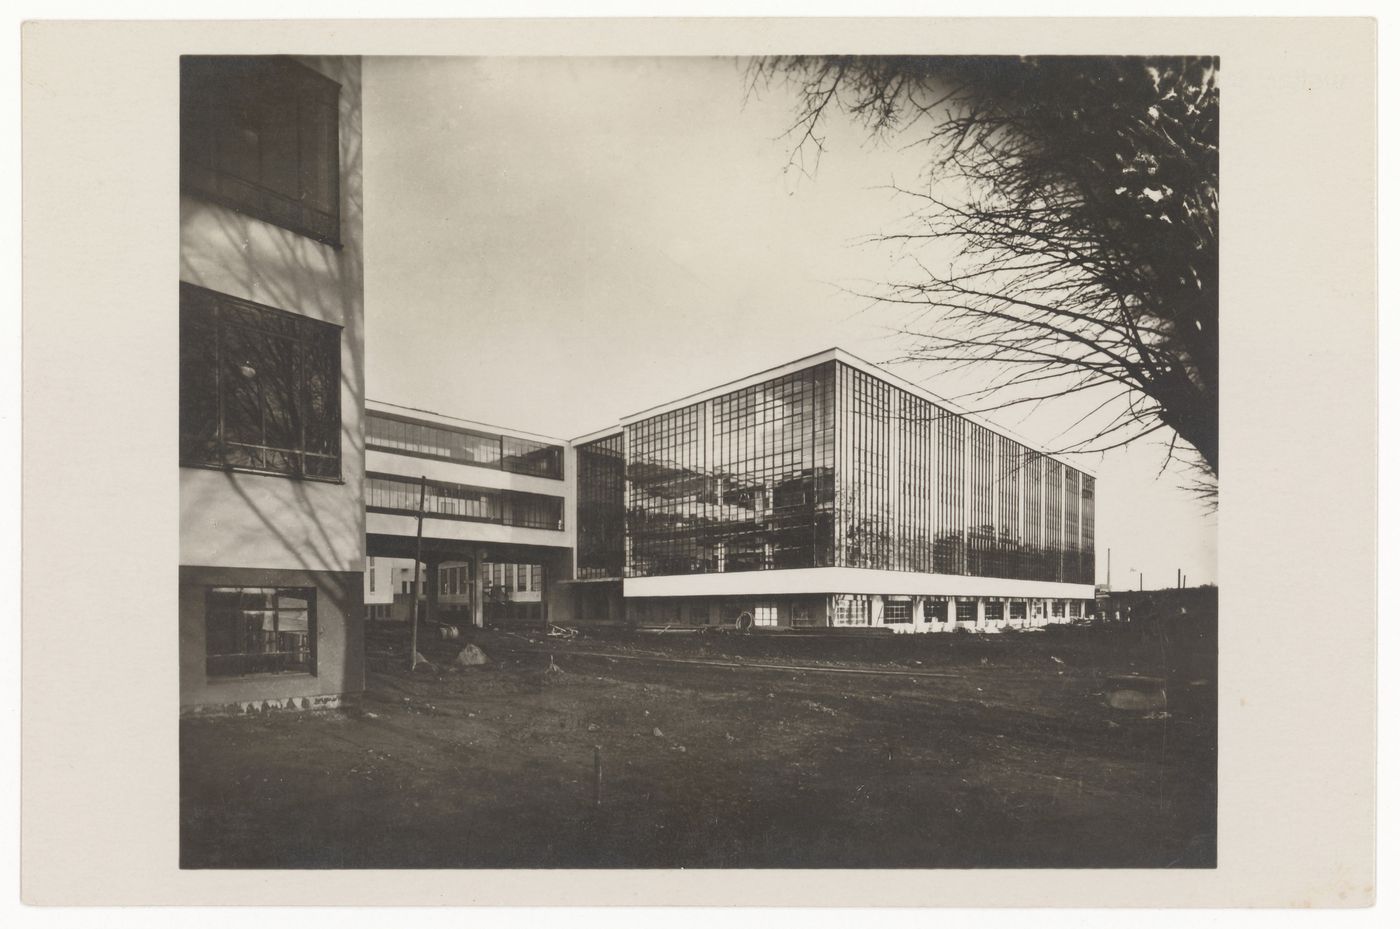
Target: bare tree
{"type": "Point", "coordinates": [1084, 217]}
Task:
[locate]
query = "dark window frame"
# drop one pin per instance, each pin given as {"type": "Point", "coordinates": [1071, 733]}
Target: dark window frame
{"type": "Point", "coordinates": [514, 463]}
{"type": "Point", "coordinates": [203, 310]}
{"type": "Point", "coordinates": [308, 594]}
{"type": "Point", "coordinates": [513, 508]}
{"type": "Point", "coordinates": [225, 99]}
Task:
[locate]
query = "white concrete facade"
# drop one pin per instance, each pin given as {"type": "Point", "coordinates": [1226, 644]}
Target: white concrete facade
{"type": "Point", "coordinates": [240, 529]}
{"type": "Point", "coordinates": [848, 581]}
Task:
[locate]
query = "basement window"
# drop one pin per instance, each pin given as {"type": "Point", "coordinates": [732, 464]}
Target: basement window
{"type": "Point", "coordinates": [899, 611]}
{"type": "Point", "coordinates": [259, 630]}
{"type": "Point", "coordinates": [851, 611]}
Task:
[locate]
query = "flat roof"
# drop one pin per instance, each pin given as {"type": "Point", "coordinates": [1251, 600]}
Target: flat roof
{"type": "Point", "coordinates": [595, 435]}
{"type": "Point", "coordinates": [854, 361]}
{"type": "Point", "coordinates": [768, 374]}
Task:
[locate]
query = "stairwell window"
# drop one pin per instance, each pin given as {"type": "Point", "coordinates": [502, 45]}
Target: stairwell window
{"type": "Point", "coordinates": [259, 388]}
{"type": "Point", "coordinates": [260, 135]}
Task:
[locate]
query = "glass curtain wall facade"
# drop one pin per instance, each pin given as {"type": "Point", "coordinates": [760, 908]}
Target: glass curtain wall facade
{"type": "Point", "coordinates": [602, 466]}
{"type": "Point", "coordinates": [740, 482]}
{"type": "Point", "coordinates": [831, 466]}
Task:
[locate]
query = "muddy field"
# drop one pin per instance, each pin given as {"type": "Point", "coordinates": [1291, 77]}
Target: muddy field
{"type": "Point", "coordinates": [718, 751]}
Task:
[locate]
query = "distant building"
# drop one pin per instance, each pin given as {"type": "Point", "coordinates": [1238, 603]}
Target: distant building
{"type": "Point", "coordinates": [272, 537]}
{"type": "Point", "coordinates": [496, 505]}
{"type": "Point", "coordinates": [827, 492]}
{"type": "Point", "coordinates": [824, 493]}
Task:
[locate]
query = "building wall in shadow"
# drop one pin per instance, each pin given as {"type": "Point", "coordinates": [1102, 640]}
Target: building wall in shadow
{"type": "Point", "coordinates": [243, 529]}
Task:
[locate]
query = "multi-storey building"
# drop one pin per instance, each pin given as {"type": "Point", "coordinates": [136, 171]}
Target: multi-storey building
{"type": "Point", "coordinates": [827, 492]}
{"type": "Point", "coordinates": [272, 534]}
{"type": "Point", "coordinates": [496, 525]}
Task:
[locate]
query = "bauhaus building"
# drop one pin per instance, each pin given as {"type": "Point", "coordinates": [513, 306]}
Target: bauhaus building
{"type": "Point", "coordinates": [822, 493]}
{"type": "Point", "coordinates": [827, 492]}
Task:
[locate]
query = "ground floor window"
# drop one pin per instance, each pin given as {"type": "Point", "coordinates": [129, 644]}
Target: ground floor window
{"type": "Point", "coordinates": [258, 630]}
{"type": "Point", "coordinates": [935, 611]}
{"type": "Point", "coordinates": [802, 615]}
{"type": "Point", "coordinates": [899, 611]}
{"type": "Point", "coordinates": [992, 611]}
{"type": "Point", "coordinates": [1074, 609]}
{"type": "Point", "coordinates": [765, 614]}
{"type": "Point", "coordinates": [967, 611]}
{"type": "Point", "coordinates": [1018, 609]}
{"type": "Point", "coordinates": [378, 611]}
{"type": "Point", "coordinates": [1057, 609]}
{"type": "Point", "coordinates": [698, 612]}
{"type": "Point", "coordinates": [851, 611]}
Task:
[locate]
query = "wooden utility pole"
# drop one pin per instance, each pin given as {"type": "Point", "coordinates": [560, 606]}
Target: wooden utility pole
{"type": "Point", "coordinates": [417, 568]}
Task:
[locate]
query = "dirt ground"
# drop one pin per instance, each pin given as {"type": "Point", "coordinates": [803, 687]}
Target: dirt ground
{"type": "Point", "coordinates": [948, 751]}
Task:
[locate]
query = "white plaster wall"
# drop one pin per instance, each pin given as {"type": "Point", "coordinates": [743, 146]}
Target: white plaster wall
{"type": "Point", "coordinates": [846, 580]}
{"type": "Point", "coordinates": [246, 520]}
{"type": "Point", "coordinates": [464, 530]}
{"type": "Point", "coordinates": [384, 579]}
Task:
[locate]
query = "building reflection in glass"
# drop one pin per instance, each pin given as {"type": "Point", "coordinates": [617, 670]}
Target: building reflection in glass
{"type": "Point", "coordinates": [602, 464]}
{"type": "Point", "coordinates": [831, 466]}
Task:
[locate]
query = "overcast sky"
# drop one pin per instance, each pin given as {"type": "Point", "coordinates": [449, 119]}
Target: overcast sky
{"type": "Point", "coordinates": [552, 244]}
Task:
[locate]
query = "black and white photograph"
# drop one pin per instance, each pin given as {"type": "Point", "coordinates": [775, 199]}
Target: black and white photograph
{"type": "Point", "coordinates": [698, 462]}
{"type": "Point", "coordinates": [686, 463]}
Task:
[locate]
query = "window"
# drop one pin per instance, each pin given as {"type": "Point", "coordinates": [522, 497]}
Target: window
{"type": "Point", "coordinates": [260, 135]}
{"type": "Point", "coordinates": [536, 576]}
{"type": "Point", "coordinates": [255, 630]}
{"type": "Point", "coordinates": [851, 611]}
{"type": "Point", "coordinates": [765, 614]}
{"type": "Point", "coordinates": [524, 456]}
{"type": "Point", "coordinates": [259, 388]}
{"type": "Point", "coordinates": [738, 482]}
{"type": "Point", "coordinates": [899, 611]}
{"type": "Point", "coordinates": [371, 574]}
{"type": "Point", "coordinates": [967, 611]}
{"type": "Point", "coordinates": [1057, 609]}
{"type": "Point", "coordinates": [395, 433]}
{"type": "Point", "coordinates": [522, 577]}
{"type": "Point", "coordinates": [387, 493]}
{"type": "Point", "coordinates": [1018, 609]}
{"type": "Point", "coordinates": [992, 611]}
{"type": "Point", "coordinates": [935, 611]}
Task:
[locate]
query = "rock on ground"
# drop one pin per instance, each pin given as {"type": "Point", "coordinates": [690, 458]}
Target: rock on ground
{"type": "Point", "coordinates": [470, 656]}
